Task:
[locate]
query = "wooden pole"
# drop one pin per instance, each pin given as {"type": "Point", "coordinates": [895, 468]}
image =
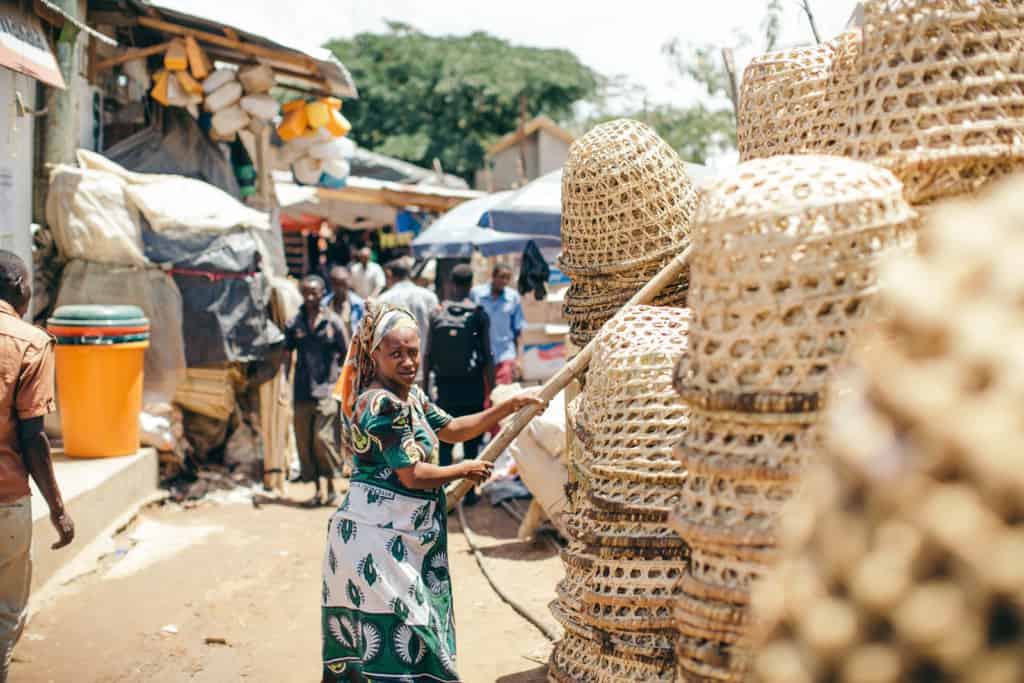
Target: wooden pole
{"type": "Point", "coordinates": [522, 139]}
{"type": "Point", "coordinates": [574, 368]}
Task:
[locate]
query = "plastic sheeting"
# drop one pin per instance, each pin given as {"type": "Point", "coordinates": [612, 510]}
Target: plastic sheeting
{"type": "Point", "coordinates": [224, 295]}
{"type": "Point", "coordinates": [171, 202]}
{"type": "Point", "coordinates": [156, 294]}
{"type": "Point", "coordinates": [175, 145]}
{"type": "Point", "coordinates": [91, 218]}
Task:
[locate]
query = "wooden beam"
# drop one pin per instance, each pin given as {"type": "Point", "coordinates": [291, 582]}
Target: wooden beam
{"type": "Point", "coordinates": [135, 53]}
{"type": "Point", "coordinates": [115, 19]}
{"type": "Point", "coordinates": [230, 33]}
{"type": "Point", "coordinates": [222, 41]}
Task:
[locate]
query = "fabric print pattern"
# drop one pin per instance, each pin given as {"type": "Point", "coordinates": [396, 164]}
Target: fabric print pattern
{"type": "Point", "coordinates": [387, 593]}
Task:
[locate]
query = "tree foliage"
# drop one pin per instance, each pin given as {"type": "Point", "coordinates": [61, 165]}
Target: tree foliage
{"type": "Point", "coordinates": [447, 97]}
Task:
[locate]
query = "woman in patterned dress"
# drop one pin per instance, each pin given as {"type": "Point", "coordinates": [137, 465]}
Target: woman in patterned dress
{"type": "Point", "coordinates": [387, 601]}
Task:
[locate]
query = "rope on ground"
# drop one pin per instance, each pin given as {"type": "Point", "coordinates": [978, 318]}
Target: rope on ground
{"type": "Point", "coordinates": [509, 600]}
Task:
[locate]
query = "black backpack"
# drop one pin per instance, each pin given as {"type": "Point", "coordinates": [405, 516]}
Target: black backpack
{"type": "Point", "coordinates": [454, 340]}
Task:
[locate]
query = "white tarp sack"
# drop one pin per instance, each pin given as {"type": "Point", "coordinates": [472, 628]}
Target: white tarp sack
{"type": "Point", "coordinates": [91, 217]}
{"type": "Point", "coordinates": [156, 294]}
{"type": "Point", "coordinates": [537, 452]}
{"type": "Point", "coordinates": [176, 203]}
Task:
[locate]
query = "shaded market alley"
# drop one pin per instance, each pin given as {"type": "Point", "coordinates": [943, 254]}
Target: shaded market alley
{"type": "Point", "coordinates": [228, 592]}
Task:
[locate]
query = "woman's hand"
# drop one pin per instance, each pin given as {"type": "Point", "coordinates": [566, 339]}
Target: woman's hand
{"type": "Point", "coordinates": [520, 401]}
{"type": "Point", "coordinates": [477, 471]}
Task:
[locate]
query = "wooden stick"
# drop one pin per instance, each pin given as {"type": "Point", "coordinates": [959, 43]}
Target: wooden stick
{"type": "Point", "coordinates": [136, 53]}
{"type": "Point", "coordinates": [574, 368]}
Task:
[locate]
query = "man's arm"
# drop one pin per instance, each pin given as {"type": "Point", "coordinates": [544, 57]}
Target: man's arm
{"type": "Point", "coordinates": [35, 451]}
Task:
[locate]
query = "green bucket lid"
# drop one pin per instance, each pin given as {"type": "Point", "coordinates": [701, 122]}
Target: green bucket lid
{"type": "Point", "coordinates": [91, 340]}
{"type": "Point", "coordinates": [92, 315]}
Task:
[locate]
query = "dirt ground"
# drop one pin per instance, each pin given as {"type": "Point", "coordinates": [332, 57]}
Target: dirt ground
{"type": "Point", "coordinates": [231, 592]}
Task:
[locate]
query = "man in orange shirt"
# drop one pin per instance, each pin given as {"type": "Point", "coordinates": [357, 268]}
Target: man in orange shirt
{"type": "Point", "coordinates": [26, 396]}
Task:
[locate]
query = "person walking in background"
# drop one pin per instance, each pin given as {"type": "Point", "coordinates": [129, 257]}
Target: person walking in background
{"type": "Point", "coordinates": [343, 302]}
{"type": "Point", "coordinates": [459, 354]}
{"type": "Point", "coordinates": [368, 278]}
{"type": "Point", "coordinates": [505, 310]}
{"type": "Point", "coordinates": [319, 338]}
{"type": "Point", "coordinates": [404, 293]}
{"type": "Point", "coordinates": [26, 392]}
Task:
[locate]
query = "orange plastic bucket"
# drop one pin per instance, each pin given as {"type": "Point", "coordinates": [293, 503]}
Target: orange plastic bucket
{"type": "Point", "coordinates": [99, 390]}
{"type": "Point", "coordinates": [100, 352]}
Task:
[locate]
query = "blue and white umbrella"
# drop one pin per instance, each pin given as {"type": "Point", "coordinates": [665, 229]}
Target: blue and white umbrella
{"type": "Point", "coordinates": [536, 208]}
{"type": "Point", "coordinates": [456, 233]}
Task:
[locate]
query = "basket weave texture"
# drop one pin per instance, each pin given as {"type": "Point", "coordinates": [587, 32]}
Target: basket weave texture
{"type": "Point", "coordinates": [939, 96]}
{"type": "Point", "coordinates": [624, 563]}
{"type": "Point", "coordinates": [921, 479]}
{"type": "Point", "coordinates": [782, 275]}
{"type": "Point", "coordinates": [627, 205]}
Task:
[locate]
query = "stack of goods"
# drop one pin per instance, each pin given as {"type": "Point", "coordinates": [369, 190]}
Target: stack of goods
{"type": "Point", "coordinates": [627, 203]}
{"type": "Point", "coordinates": [798, 101]}
{"type": "Point", "coordinates": [179, 83]}
{"type": "Point", "coordinates": [783, 275]}
{"type": "Point", "coordinates": [313, 133]}
{"type": "Point", "coordinates": [938, 94]}
{"type": "Point", "coordinates": [623, 560]}
{"type": "Point", "coordinates": [235, 100]}
{"type": "Point", "coordinates": [902, 561]}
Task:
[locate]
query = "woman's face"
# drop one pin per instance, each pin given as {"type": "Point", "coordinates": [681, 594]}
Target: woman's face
{"type": "Point", "coordinates": [398, 357]}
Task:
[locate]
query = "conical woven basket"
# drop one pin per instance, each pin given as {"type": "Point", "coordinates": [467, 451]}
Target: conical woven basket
{"type": "Point", "coordinates": [710, 661]}
{"type": "Point", "coordinates": [782, 102]}
{"type": "Point", "coordinates": [921, 478]}
{"type": "Point", "coordinates": [939, 95]}
{"type": "Point", "coordinates": [575, 660]}
{"type": "Point", "coordinates": [783, 276]}
{"type": "Point", "coordinates": [626, 200]}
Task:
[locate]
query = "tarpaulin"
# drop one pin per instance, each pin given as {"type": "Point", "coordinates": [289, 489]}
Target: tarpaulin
{"type": "Point", "coordinates": [225, 296]}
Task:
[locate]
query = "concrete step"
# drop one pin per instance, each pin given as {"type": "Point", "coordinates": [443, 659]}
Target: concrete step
{"type": "Point", "coordinates": [99, 493]}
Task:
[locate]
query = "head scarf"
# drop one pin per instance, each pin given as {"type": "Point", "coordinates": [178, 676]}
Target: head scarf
{"type": "Point", "coordinates": [357, 373]}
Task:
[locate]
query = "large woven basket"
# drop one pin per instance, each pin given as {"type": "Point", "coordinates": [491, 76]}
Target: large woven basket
{"type": "Point", "coordinates": [575, 660]}
{"type": "Point", "coordinates": [922, 479]}
{"type": "Point", "coordinates": [782, 101]}
{"type": "Point", "coordinates": [626, 200]}
{"type": "Point", "coordinates": [939, 95]}
{"type": "Point", "coordinates": [783, 274]}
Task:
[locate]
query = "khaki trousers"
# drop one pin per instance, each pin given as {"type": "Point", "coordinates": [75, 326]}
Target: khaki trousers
{"type": "Point", "coordinates": [15, 575]}
{"type": "Point", "coordinates": [317, 430]}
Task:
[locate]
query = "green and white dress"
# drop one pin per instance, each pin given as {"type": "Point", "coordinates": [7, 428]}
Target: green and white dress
{"type": "Point", "coordinates": [387, 597]}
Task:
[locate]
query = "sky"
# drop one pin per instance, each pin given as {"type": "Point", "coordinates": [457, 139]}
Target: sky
{"type": "Point", "coordinates": [623, 37]}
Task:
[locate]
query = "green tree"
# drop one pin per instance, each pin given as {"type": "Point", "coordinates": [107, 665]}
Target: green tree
{"type": "Point", "coordinates": [448, 97]}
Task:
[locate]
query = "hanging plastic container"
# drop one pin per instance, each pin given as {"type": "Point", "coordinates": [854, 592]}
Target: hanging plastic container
{"type": "Point", "coordinates": [100, 352]}
{"type": "Point", "coordinates": [318, 114]}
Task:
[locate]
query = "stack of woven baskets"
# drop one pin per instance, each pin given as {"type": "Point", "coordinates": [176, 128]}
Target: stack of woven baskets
{"type": "Point", "coordinates": [938, 98]}
{"type": "Point", "coordinates": [904, 560]}
{"type": "Point", "coordinates": [627, 203]}
{"type": "Point", "coordinates": [624, 561]}
{"type": "Point", "coordinates": [783, 275]}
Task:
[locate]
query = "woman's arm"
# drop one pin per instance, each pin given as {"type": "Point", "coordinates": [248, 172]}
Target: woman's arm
{"type": "Point", "coordinates": [423, 475]}
{"type": "Point", "coordinates": [471, 426]}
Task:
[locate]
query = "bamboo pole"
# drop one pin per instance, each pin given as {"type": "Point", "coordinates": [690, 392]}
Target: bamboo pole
{"type": "Point", "coordinates": [574, 368]}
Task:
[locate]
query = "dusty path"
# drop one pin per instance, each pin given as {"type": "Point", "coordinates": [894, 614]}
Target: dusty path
{"type": "Point", "coordinates": [249, 578]}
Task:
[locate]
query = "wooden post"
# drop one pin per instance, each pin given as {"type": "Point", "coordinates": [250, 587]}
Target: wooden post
{"type": "Point", "coordinates": [522, 139]}
{"type": "Point", "coordinates": [572, 369]}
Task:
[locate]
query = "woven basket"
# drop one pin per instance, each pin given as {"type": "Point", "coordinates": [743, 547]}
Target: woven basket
{"type": "Point", "coordinates": [745, 445]}
{"type": "Point", "coordinates": [782, 276]}
{"type": "Point", "coordinates": [782, 101]}
{"type": "Point", "coordinates": [705, 660]}
{"type": "Point", "coordinates": [727, 511]}
{"type": "Point", "coordinates": [938, 96]}
{"type": "Point", "coordinates": [921, 478]}
{"type": "Point", "coordinates": [575, 660]}
{"type": "Point", "coordinates": [626, 200]}
{"type": "Point", "coordinates": [832, 128]}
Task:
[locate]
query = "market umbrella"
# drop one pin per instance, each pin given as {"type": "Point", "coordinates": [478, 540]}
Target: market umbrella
{"type": "Point", "coordinates": [456, 233]}
{"type": "Point", "coordinates": [536, 208]}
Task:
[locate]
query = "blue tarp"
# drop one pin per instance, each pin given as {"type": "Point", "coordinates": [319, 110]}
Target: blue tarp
{"type": "Point", "coordinates": [457, 233]}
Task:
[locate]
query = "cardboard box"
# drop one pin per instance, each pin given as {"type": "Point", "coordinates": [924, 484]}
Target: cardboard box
{"type": "Point", "coordinates": [546, 312]}
{"type": "Point", "coordinates": [542, 361]}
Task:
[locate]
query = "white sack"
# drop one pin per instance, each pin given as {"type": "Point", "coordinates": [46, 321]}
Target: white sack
{"type": "Point", "coordinates": [224, 96]}
{"type": "Point", "coordinates": [217, 79]}
{"type": "Point", "coordinates": [263, 107]}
